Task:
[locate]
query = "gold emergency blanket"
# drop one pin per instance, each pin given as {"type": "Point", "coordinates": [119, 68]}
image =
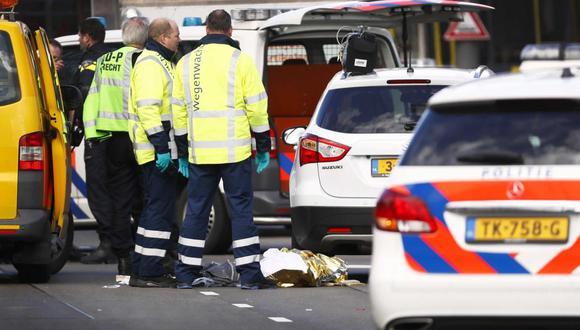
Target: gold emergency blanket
{"type": "Point", "coordinates": [320, 270]}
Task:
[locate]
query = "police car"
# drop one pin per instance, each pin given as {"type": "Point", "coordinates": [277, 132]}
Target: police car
{"type": "Point", "coordinates": [549, 55]}
{"type": "Point", "coordinates": [346, 154]}
{"type": "Point", "coordinates": [480, 220]}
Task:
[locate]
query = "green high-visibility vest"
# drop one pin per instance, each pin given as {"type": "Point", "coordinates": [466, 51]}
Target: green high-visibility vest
{"type": "Point", "coordinates": [106, 106]}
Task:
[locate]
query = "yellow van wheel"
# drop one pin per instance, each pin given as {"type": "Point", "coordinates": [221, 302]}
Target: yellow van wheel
{"type": "Point", "coordinates": [61, 245]}
{"type": "Point", "coordinates": [32, 273]}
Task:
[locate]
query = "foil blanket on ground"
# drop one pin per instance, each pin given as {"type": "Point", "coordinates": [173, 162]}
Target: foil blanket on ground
{"type": "Point", "coordinates": [302, 268]}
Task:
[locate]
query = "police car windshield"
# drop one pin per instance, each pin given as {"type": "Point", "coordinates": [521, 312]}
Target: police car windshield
{"type": "Point", "coordinates": [9, 85]}
{"type": "Point", "coordinates": [374, 109]}
{"type": "Point", "coordinates": [530, 132]}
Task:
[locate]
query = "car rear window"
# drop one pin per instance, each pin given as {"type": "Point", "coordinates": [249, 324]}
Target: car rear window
{"type": "Point", "coordinates": [519, 132]}
{"type": "Point", "coordinates": [374, 109]}
{"type": "Point", "coordinates": [9, 85]}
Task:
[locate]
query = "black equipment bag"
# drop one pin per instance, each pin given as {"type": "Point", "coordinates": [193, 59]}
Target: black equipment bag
{"type": "Point", "coordinates": [360, 55]}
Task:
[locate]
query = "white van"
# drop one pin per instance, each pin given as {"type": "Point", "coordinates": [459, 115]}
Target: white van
{"type": "Point", "coordinates": [297, 53]}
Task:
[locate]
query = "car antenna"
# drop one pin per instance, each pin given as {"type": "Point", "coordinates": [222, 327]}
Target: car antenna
{"type": "Point", "coordinates": [406, 52]}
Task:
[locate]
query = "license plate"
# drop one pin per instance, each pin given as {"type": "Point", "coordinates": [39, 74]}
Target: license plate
{"type": "Point", "coordinates": [517, 230]}
{"type": "Point", "coordinates": [382, 166]}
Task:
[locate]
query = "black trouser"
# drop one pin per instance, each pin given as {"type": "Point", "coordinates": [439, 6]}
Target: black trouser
{"type": "Point", "coordinates": [113, 189]}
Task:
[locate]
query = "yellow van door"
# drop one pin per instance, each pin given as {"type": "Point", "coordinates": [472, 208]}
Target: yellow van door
{"type": "Point", "coordinates": [59, 146]}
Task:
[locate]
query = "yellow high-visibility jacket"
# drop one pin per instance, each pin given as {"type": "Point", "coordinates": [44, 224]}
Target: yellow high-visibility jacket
{"type": "Point", "coordinates": [218, 96]}
{"type": "Point", "coordinates": [106, 105]}
{"type": "Point", "coordinates": [150, 107]}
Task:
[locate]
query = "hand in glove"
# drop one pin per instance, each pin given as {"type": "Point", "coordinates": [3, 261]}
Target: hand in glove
{"type": "Point", "coordinates": [163, 161]}
{"type": "Point", "coordinates": [262, 161]}
{"type": "Point", "coordinates": [184, 167]}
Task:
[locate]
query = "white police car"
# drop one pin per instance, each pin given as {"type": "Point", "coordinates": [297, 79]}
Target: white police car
{"type": "Point", "coordinates": [346, 154]}
{"type": "Point", "coordinates": [549, 55]}
{"type": "Point", "coordinates": [479, 225]}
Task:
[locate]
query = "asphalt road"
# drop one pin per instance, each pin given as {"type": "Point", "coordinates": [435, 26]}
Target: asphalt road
{"type": "Point", "coordinates": [87, 297]}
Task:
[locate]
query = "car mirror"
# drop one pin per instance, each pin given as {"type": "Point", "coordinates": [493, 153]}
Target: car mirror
{"type": "Point", "coordinates": [72, 97]}
{"type": "Point", "coordinates": [292, 135]}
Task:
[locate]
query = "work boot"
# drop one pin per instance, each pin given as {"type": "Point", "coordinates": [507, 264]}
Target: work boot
{"type": "Point", "coordinates": [123, 270]}
{"type": "Point", "coordinates": [163, 281]}
{"type": "Point", "coordinates": [103, 254]}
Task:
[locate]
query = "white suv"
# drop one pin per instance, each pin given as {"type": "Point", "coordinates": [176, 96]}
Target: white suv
{"type": "Point", "coordinates": [345, 156]}
{"type": "Point", "coordinates": [480, 224]}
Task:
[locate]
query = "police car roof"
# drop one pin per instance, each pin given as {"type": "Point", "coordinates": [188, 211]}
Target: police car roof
{"type": "Point", "coordinates": [186, 33]}
{"type": "Point", "coordinates": [436, 76]}
{"type": "Point", "coordinates": [548, 84]}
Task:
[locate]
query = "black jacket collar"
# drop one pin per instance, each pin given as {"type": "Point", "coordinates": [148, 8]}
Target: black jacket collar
{"type": "Point", "coordinates": [219, 39]}
{"type": "Point", "coordinates": [157, 47]}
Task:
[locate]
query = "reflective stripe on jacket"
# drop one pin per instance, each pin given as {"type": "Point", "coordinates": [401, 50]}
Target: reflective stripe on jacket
{"type": "Point", "coordinates": [106, 106]}
{"type": "Point", "coordinates": [150, 106]}
{"type": "Point", "coordinates": [218, 96]}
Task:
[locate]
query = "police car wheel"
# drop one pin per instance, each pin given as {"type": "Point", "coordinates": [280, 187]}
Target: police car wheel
{"type": "Point", "coordinates": [219, 236]}
{"type": "Point", "coordinates": [219, 228]}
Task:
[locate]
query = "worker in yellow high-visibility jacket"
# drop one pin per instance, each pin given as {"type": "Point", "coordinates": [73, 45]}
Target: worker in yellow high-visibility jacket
{"type": "Point", "coordinates": [105, 117]}
{"type": "Point", "coordinates": [219, 99]}
{"type": "Point", "coordinates": [151, 131]}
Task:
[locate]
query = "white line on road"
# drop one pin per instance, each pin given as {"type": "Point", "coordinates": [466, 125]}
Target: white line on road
{"type": "Point", "coordinates": [359, 266]}
{"type": "Point", "coordinates": [63, 302]}
{"type": "Point", "coordinates": [280, 319]}
{"type": "Point", "coordinates": [243, 305]}
{"type": "Point", "coordinates": [80, 311]}
{"type": "Point", "coordinates": [209, 293]}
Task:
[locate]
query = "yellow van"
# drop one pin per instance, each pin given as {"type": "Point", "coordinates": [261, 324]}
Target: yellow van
{"type": "Point", "coordinates": [36, 230]}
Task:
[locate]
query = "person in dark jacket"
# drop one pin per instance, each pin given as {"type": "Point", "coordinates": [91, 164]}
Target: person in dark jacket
{"type": "Point", "coordinates": [91, 41]}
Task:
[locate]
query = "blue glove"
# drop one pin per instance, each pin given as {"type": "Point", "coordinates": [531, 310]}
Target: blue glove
{"type": "Point", "coordinates": [163, 161]}
{"type": "Point", "coordinates": [262, 161]}
{"type": "Point", "coordinates": [184, 167]}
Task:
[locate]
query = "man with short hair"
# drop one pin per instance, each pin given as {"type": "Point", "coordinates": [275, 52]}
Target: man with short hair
{"type": "Point", "coordinates": [106, 127]}
{"type": "Point", "coordinates": [151, 131]}
{"type": "Point", "coordinates": [219, 99]}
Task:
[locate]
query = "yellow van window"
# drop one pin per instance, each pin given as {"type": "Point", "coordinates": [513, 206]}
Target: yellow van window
{"type": "Point", "coordinates": [9, 85]}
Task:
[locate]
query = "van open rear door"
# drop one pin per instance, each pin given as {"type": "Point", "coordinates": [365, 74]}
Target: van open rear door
{"type": "Point", "coordinates": [386, 13]}
{"type": "Point", "coordinates": [59, 145]}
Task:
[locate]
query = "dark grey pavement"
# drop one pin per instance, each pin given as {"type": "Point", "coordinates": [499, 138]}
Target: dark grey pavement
{"type": "Point", "coordinates": [86, 297]}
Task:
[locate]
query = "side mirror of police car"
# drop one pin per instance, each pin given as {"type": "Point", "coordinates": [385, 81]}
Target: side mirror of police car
{"type": "Point", "coordinates": [292, 135]}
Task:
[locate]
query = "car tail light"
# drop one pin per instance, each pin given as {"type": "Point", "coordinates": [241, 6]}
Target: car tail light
{"type": "Point", "coordinates": [314, 149]}
{"type": "Point", "coordinates": [31, 156]}
{"type": "Point", "coordinates": [273, 148]}
{"type": "Point", "coordinates": [403, 213]}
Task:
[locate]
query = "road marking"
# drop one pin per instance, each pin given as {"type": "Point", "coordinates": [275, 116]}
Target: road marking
{"type": "Point", "coordinates": [280, 319]}
{"type": "Point", "coordinates": [63, 302]}
{"type": "Point", "coordinates": [209, 293]}
{"type": "Point", "coordinates": [243, 305]}
{"type": "Point", "coordinates": [78, 310]}
{"type": "Point", "coordinates": [359, 266]}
